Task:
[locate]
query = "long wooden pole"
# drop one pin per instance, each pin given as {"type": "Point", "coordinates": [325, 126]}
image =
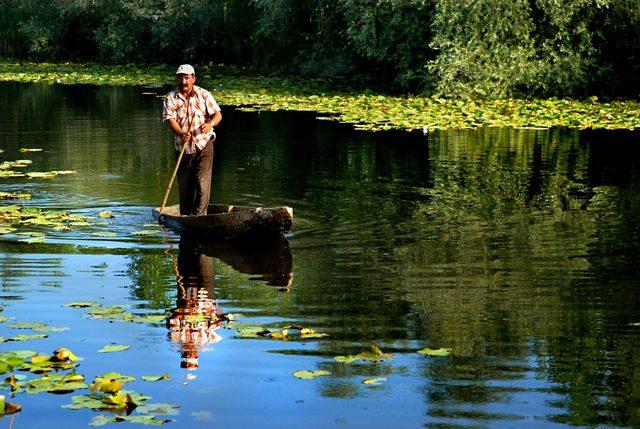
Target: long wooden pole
{"type": "Point", "coordinates": [173, 176]}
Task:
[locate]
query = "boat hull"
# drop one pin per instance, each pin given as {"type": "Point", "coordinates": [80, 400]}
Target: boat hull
{"type": "Point", "coordinates": [228, 222]}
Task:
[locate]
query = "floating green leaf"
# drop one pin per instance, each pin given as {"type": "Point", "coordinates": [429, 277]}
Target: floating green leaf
{"type": "Point", "coordinates": [113, 348]}
{"type": "Point", "coordinates": [115, 376]}
{"type": "Point", "coordinates": [374, 355]}
{"type": "Point", "coordinates": [377, 380]}
{"type": "Point", "coordinates": [145, 232]}
{"type": "Point", "coordinates": [26, 325]}
{"type": "Point", "coordinates": [435, 352]}
{"type": "Point", "coordinates": [81, 304]}
{"type": "Point", "coordinates": [310, 375]}
{"type": "Point", "coordinates": [105, 214]}
{"type": "Point", "coordinates": [23, 337]}
{"type": "Point", "coordinates": [57, 383]}
{"type": "Point", "coordinates": [14, 196]}
{"type": "Point", "coordinates": [164, 376]}
{"type": "Point", "coordinates": [99, 311]}
{"type": "Point", "coordinates": [104, 234]}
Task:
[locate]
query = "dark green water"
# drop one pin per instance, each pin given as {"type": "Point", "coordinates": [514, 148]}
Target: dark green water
{"type": "Point", "coordinates": [516, 249]}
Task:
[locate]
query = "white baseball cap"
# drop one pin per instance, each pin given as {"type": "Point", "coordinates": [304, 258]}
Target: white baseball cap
{"type": "Point", "coordinates": [186, 69]}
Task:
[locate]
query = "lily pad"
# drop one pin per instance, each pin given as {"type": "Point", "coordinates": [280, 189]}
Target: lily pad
{"type": "Point", "coordinates": [374, 381]}
{"type": "Point", "coordinates": [57, 383]}
{"type": "Point", "coordinates": [104, 234]}
{"type": "Point", "coordinates": [113, 348]}
{"type": "Point", "coordinates": [81, 304]}
{"type": "Point", "coordinates": [164, 376]}
{"type": "Point", "coordinates": [23, 337]}
{"type": "Point", "coordinates": [145, 232]}
{"type": "Point", "coordinates": [435, 352]}
{"type": "Point", "coordinates": [374, 355]}
{"type": "Point", "coordinates": [310, 375]}
{"type": "Point", "coordinates": [26, 325]}
{"type": "Point", "coordinates": [115, 376]}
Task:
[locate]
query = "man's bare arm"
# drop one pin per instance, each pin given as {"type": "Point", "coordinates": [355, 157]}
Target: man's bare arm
{"type": "Point", "coordinates": [212, 122]}
{"type": "Point", "coordinates": [175, 128]}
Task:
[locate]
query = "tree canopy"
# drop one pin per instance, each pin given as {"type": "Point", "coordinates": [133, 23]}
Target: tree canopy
{"type": "Point", "coordinates": [453, 48]}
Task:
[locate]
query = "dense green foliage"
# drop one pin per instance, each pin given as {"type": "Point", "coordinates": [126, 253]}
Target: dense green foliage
{"type": "Point", "coordinates": [366, 111]}
{"type": "Point", "coordinates": [468, 48]}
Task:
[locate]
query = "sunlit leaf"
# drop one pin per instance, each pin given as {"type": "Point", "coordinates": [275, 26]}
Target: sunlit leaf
{"type": "Point", "coordinates": [81, 304]}
{"type": "Point", "coordinates": [435, 352]}
{"type": "Point", "coordinates": [116, 376]}
{"type": "Point", "coordinates": [106, 386]}
{"type": "Point", "coordinates": [164, 376]}
{"type": "Point", "coordinates": [23, 337]}
{"type": "Point", "coordinates": [26, 325]}
{"type": "Point", "coordinates": [105, 214]}
{"type": "Point", "coordinates": [104, 234]}
{"type": "Point", "coordinates": [145, 232]}
{"type": "Point", "coordinates": [113, 348]}
{"type": "Point", "coordinates": [377, 380]}
{"type": "Point", "coordinates": [63, 354]}
{"type": "Point", "coordinates": [310, 375]}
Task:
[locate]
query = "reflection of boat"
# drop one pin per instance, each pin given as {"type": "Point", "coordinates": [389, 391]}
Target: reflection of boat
{"type": "Point", "coordinates": [226, 222]}
{"type": "Point", "coordinates": [268, 258]}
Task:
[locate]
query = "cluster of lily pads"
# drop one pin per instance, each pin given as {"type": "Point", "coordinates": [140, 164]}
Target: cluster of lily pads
{"type": "Point", "coordinates": [98, 311]}
{"type": "Point", "coordinates": [372, 355]}
{"type": "Point", "coordinates": [13, 218]}
{"type": "Point", "coordinates": [106, 391]}
{"type": "Point", "coordinates": [56, 373]}
{"type": "Point", "coordinates": [362, 108]}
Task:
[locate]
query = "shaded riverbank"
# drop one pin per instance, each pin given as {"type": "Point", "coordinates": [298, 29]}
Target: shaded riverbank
{"type": "Point", "coordinates": [364, 109]}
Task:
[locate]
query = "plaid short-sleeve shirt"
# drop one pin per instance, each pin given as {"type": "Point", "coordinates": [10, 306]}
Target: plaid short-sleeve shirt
{"type": "Point", "coordinates": [190, 113]}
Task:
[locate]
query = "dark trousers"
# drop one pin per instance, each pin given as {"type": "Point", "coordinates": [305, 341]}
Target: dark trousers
{"type": "Point", "coordinates": [194, 180]}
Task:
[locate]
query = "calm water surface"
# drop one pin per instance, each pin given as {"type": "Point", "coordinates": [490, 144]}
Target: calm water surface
{"type": "Point", "coordinates": [516, 249]}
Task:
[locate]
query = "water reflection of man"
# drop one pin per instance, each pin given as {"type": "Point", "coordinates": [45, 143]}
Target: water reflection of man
{"type": "Point", "coordinates": [196, 317]}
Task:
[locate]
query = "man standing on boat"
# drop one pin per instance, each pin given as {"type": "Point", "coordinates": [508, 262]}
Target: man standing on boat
{"type": "Point", "coordinates": [192, 113]}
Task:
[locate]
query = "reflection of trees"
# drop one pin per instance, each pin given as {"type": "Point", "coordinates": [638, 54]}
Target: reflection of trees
{"type": "Point", "coordinates": [153, 279]}
{"type": "Point", "coordinates": [486, 242]}
{"type": "Point", "coordinates": [94, 130]}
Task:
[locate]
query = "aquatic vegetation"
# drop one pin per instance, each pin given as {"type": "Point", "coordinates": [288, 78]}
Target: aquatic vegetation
{"type": "Point", "coordinates": [164, 376]}
{"type": "Point", "coordinates": [374, 381]}
{"type": "Point", "coordinates": [286, 333]}
{"type": "Point", "coordinates": [14, 196]}
{"type": "Point", "coordinates": [435, 352]}
{"type": "Point", "coordinates": [310, 375]}
{"type": "Point", "coordinates": [112, 348]}
{"type": "Point", "coordinates": [81, 304]}
{"type": "Point", "coordinates": [374, 354]}
{"type": "Point", "coordinates": [145, 232]}
{"type": "Point", "coordinates": [13, 217]}
{"type": "Point", "coordinates": [48, 174]}
{"type": "Point", "coordinates": [364, 109]}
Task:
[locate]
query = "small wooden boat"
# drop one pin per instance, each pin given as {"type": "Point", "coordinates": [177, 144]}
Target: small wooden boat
{"type": "Point", "coordinates": [228, 222]}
